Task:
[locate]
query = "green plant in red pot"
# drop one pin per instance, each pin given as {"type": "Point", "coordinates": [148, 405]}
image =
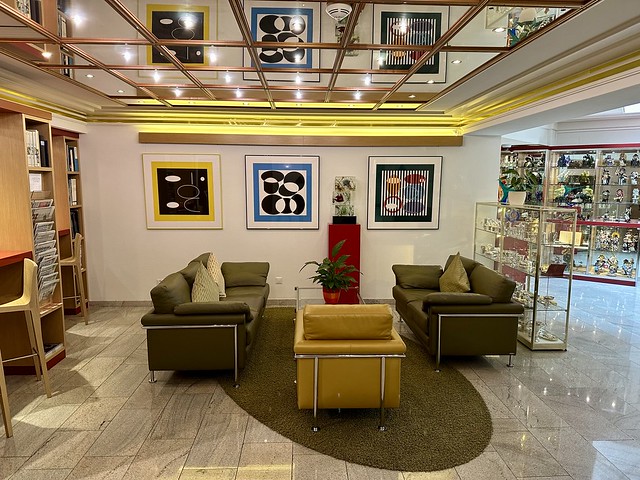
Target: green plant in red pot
{"type": "Point", "coordinates": [333, 273]}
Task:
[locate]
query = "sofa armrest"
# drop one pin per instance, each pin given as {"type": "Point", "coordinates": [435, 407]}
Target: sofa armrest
{"type": "Point", "coordinates": [455, 298]}
{"type": "Point", "coordinates": [212, 308]}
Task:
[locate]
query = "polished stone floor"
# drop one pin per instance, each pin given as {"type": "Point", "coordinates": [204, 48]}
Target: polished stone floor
{"type": "Point", "coordinates": [556, 415]}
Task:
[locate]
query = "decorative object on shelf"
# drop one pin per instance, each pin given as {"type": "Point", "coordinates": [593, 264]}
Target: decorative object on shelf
{"type": "Point", "coordinates": [343, 192]}
{"type": "Point", "coordinates": [634, 177]}
{"type": "Point", "coordinates": [605, 195]}
{"type": "Point", "coordinates": [619, 195]}
{"type": "Point", "coordinates": [404, 192]}
{"type": "Point", "coordinates": [282, 191]}
{"type": "Point", "coordinates": [333, 273]}
{"type": "Point", "coordinates": [519, 184]}
{"type": "Point", "coordinates": [182, 191]}
{"type": "Point", "coordinates": [606, 177]}
{"type": "Point", "coordinates": [635, 161]}
{"type": "Point", "coordinates": [635, 196]}
{"type": "Point", "coordinates": [627, 214]}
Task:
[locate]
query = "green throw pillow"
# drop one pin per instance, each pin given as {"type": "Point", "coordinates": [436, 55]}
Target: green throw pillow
{"type": "Point", "coordinates": [454, 278]}
{"type": "Point", "coordinates": [204, 288]}
{"type": "Point", "coordinates": [213, 267]}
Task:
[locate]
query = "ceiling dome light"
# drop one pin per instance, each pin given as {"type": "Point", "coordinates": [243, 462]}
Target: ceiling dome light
{"type": "Point", "coordinates": [338, 11]}
{"type": "Point", "coordinates": [46, 54]}
{"type": "Point", "coordinates": [177, 92]}
{"type": "Point", "coordinates": [499, 29]}
{"type": "Point", "coordinates": [456, 62]}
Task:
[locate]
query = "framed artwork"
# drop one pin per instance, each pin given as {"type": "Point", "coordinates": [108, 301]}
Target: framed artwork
{"type": "Point", "coordinates": [404, 193]}
{"type": "Point", "coordinates": [179, 20]}
{"type": "Point", "coordinates": [182, 191]}
{"type": "Point", "coordinates": [408, 25]}
{"type": "Point", "coordinates": [287, 26]}
{"type": "Point", "coordinates": [282, 191]}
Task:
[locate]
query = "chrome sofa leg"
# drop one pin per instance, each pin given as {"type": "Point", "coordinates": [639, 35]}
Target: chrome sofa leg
{"type": "Point", "coordinates": [152, 376]}
{"type": "Point", "coordinates": [510, 364]}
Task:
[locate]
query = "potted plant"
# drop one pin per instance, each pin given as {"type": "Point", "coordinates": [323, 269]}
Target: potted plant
{"type": "Point", "coordinates": [516, 185]}
{"type": "Point", "coordinates": [333, 273]}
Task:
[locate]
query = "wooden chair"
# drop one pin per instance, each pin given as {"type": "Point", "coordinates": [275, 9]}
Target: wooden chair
{"type": "Point", "coordinates": [75, 262]}
{"type": "Point", "coordinates": [4, 403]}
{"type": "Point", "coordinates": [28, 303]}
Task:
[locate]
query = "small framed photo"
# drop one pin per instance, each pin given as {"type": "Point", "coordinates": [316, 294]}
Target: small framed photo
{"type": "Point", "coordinates": [282, 191]}
{"type": "Point", "coordinates": [404, 193]}
{"type": "Point", "coordinates": [182, 191]}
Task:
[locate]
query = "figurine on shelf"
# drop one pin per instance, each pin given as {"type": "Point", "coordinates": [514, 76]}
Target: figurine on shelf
{"type": "Point", "coordinates": [627, 242]}
{"type": "Point", "coordinates": [627, 267]}
{"type": "Point", "coordinates": [528, 162]}
{"type": "Point", "coordinates": [564, 160]}
{"type": "Point", "coordinates": [599, 264]}
{"type": "Point", "coordinates": [634, 177]}
{"type": "Point", "coordinates": [605, 195]}
{"type": "Point", "coordinates": [605, 216]}
{"type": "Point", "coordinates": [627, 214]}
{"type": "Point", "coordinates": [619, 195]}
{"type": "Point", "coordinates": [588, 161]}
{"type": "Point", "coordinates": [635, 161]}
{"type": "Point", "coordinates": [622, 159]}
{"type": "Point", "coordinates": [635, 196]}
{"type": "Point", "coordinates": [621, 173]}
{"type": "Point", "coordinates": [587, 194]}
{"type": "Point", "coordinates": [613, 265]}
{"type": "Point", "coordinates": [615, 241]}
{"type": "Point", "coordinates": [606, 177]}
{"type": "Point", "coordinates": [608, 160]}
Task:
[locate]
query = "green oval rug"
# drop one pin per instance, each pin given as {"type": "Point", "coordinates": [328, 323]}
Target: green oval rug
{"type": "Point", "coordinates": [442, 420]}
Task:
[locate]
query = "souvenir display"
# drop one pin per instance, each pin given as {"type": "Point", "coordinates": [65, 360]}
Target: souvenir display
{"type": "Point", "coordinates": [619, 195]}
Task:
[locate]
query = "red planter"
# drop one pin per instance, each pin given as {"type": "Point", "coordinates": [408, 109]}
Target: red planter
{"type": "Point", "coordinates": [331, 297]}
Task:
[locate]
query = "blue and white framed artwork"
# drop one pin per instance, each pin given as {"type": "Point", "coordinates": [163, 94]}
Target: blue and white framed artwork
{"type": "Point", "coordinates": [282, 191]}
{"type": "Point", "coordinates": [288, 26]}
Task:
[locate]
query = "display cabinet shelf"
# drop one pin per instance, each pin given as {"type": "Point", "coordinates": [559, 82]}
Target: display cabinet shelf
{"type": "Point", "coordinates": [533, 246]}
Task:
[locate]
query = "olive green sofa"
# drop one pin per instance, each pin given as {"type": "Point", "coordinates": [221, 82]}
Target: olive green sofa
{"type": "Point", "coordinates": [483, 321]}
{"type": "Point", "coordinates": [186, 335]}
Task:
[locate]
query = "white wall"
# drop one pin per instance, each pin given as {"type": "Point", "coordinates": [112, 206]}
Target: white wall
{"type": "Point", "coordinates": [125, 259]}
{"type": "Point", "coordinates": [599, 130]}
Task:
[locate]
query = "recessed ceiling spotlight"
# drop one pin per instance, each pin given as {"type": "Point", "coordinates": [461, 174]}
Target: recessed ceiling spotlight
{"type": "Point", "coordinates": [177, 92]}
{"type": "Point", "coordinates": [298, 79]}
{"type": "Point", "coordinates": [120, 91]}
{"type": "Point", "coordinates": [212, 55]}
{"type": "Point", "coordinates": [156, 76]}
{"type": "Point", "coordinates": [456, 61]}
{"type": "Point", "coordinates": [412, 96]}
{"type": "Point", "coordinates": [227, 77]}
{"type": "Point", "coordinates": [499, 29]}
{"type": "Point", "coordinates": [126, 55]}
{"type": "Point", "coordinates": [430, 81]}
{"type": "Point", "coordinates": [238, 93]}
{"type": "Point", "coordinates": [46, 54]}
{"type": "Point", "coordinates": [89, 75]}
{"type": "Point", "coordinates": [367, 79]}
{"type": "Point", "coordinates": [298, 94]}
{"type": "Point", "coordinates": [357, 95]}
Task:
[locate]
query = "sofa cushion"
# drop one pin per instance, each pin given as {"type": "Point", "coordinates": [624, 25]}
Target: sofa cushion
{"type": "Point", "coordinates": [468, 263]}
{"type": "Point", "coordinates": [491, 283]}
{"type": "Point", "coordinates": [456, 298]}
{"type": "Point", "coordinates": [243, 274]}
{"type": "Point", "coordinates": [345, 322]}
{"type": "Point", "coordinates": [454, 278]}
{"type": "Point", "coordinates": [213, 266]}
{"type": "Point", "coordinates": [256, 304]}
{"type": "Point", "coordinates": [418, 276]}
{"type": "Point", "coordinates": [204, 288]}
{"type": "Point", "coordinates": [170, 292]}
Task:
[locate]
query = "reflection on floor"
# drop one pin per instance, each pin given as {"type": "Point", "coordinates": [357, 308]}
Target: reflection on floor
{"type": "Point", "coordinates": [556, 415]}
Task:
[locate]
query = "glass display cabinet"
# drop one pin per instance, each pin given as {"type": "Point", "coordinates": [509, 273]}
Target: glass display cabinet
{"type": "Point", "coordinates": [534, 246]}
{"type": "Point", "coordinates": [572, 181]}
{"type": "Point", "coordinates": [528, 162]}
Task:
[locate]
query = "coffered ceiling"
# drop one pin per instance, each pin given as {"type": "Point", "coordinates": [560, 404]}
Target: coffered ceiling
{"type": "Point", "coordinates": [446, 65]}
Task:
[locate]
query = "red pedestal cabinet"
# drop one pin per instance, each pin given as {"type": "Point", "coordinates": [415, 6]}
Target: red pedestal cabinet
{"type": "Point", "coordinates": [350, 232]}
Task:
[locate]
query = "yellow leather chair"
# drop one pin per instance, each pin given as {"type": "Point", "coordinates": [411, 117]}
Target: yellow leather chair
{"type": "Point", "coordinates": [347, 356]}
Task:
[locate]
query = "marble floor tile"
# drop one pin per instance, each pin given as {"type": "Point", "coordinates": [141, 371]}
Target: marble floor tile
{"type": "Point", "coordinates": [625, 455]}
{"type": "Point", "coordinates": [96, 371]}
{"type": "Point", "coordinates": [159, 459]}
{"type": "Point", "coordinates": [125, 434]}
{"type": "Point", "coordinates": [259, 433]}
{"type": "Point", "coordinates": [208, 473]}
{"type": "Point", "coordinates": [524, 455]}
{"type": "Point", "coordinates": [487, 466]}
{"type": "Point", "coordinates": [9, 465]}
{"type": "Point", "coordinates": [123, 346]}
{"type": "Point", "coordinates": [449, 474]}
{"type": "Point", "coordinates": [48, 474]}
{"type": "Point", "coordinates": [312, 467]}
{"type": "Point", "coordinates": [265, 461]}
{"type": "Point", "coordinates": [94, 413]}
{"type": "Point", "coordinates": [150, 395]}
{"type": "Point", "coordinates": [181, 416]}
{"type": "Point", "coordinates": [124, 380]}
{"type": "Point", "coordinates": [361, 472]}
{"type": "Point", "coordinates": [64, 449]}
{"type": "Point", "coordinates": [526, 406]}
{"type": "Point", "coordinates": [219, 442]}
{"type": "Point", "coordinates": [100, 468]}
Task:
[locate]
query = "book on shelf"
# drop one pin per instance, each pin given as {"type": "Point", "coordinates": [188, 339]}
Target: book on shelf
{"type": "Point", "coordinates": [42, 227]}
{"type": "Point", "coordinates": [41, 247]}
{"type": "Point", "coordinates": [35, 182]}
{"type": "Point", "coordinates": [43, 147]}
{"type": "Point", "coordinates": [33, 148]}
{"type": "Point", "coordinates": [75, 223]}
{"type": "Point", "coordinates": [72, 158]}
{"type": "Point", "coordinates": [73, 191]}
{"type": "Point", "coordinates": [24, 7]}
